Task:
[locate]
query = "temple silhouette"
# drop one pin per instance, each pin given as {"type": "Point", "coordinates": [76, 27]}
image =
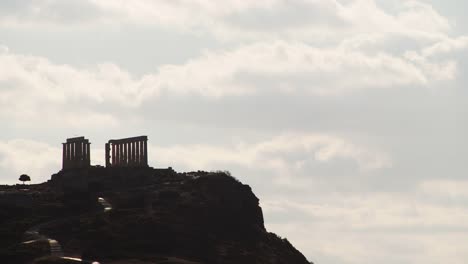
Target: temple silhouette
{"type": "Point", "coordinates": [76, 153]}
{"type": "Point", "coordinates": [126, 162]}
{"type": "Point", "coordinates": [125, 152]}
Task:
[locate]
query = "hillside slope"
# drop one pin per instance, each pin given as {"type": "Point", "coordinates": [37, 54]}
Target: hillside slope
{"type": "Point", "coordinates": [157, 216]}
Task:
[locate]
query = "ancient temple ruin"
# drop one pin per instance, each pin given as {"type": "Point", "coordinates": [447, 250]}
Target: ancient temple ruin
{"type": "Point", "coordinates": [127, 152]}
{"type": "Point", "coordinates": [76, 153]}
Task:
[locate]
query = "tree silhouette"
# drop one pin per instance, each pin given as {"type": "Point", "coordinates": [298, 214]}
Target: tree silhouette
{"type": "Point", "coordinates": [24, 178]}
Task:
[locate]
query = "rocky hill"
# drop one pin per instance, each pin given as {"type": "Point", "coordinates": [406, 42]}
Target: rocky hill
{"type": "Point", "coordinates": [144, 215]}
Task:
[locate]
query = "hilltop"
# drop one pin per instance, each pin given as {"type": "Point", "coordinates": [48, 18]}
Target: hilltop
{"type": "Point", "coordinates": [151, 216]}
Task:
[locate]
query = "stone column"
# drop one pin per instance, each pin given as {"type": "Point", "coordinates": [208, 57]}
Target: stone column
{"type": "Point", "coordinates": [117, 154]}
{"type": "Point", "coordinates": [133, 144]}
{"type": "Point", "coordinates": [145, 153]}
{"type": "Point", "coordinates": [84, 154]}
{"type": "Point", "coordinates": [120, 154]}
{"type": "Point", "coordinates": [121, 151]}
{"type": "Point", "coordinates": [125, 163]}
{"type": "Point", "coordinates": [64, 155]}
{"type": "Point", "coordinates": [79, 153]}
{"type": "Point", "coordinates": [67, 154]}
{"type": "Point", "coordinates": [113, 154]}
{"type": "Point", "coordinates": [72, 158]}
{"type": "Point", "coordinates": [130, 157]}
{"type": "Point", "coordinates": [70, 154]}
{"type": "Point", "coordinates": [107, 150]}
{"type": "Point", "coordinates": [129, 153]}
{"type": "Point", "coordinates": [88, 153]}
{"type": "Point", "coordinates": [141, 152]}
{"type": "Point", "coordinates": [137, 153]}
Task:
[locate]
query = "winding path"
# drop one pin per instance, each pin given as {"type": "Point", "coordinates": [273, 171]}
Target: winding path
{"type": "Point", "coordinates": [55, 247]}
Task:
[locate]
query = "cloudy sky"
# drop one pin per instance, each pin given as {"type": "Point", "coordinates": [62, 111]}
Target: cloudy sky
{"type": "Point", "coordinates": [347, 117]}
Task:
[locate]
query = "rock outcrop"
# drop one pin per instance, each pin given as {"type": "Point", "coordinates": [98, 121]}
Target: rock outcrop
{"type": "Point", "coordinates": [157, 216]}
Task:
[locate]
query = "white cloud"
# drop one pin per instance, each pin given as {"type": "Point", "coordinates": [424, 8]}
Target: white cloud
{"type": "Point", "coordinates": [52, 83]}
{"type": "Point", "coordinates": [445, 188]}
{"type": "Point", "coordinates": [378, 212]}
{"type": "Point", "coordinates": [417, 16]}
{"type": "Point", "coordinates": [48, 13]}
{"type": "Point", "coordinates": [233, 19]}
{"type": "Point", "coordinates": [273, 154]}
{"type": "Point", "coordinates": [215, 73]}
{"type": "Point", "coordinates": [368, 228]}
{"type": "Point", "coordinates": [287, 67]}
{"type": "Point", "coordinates": [36, 159]}
{"type": "Point", "coordinates": [32, 86]}
{"type": "Point", "coordinates": [284, 66]}
{"type": "Point", "coordinates": [445, 46]}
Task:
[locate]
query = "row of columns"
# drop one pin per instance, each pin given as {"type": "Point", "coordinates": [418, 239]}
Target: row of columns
{"type": "Point", "coordinates": [129, 152]}
{"type": "Point", "coordinates": [76, 153]}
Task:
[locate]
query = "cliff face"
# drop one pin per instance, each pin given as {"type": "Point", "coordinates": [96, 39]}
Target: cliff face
{"type": "Point", "coordinates": [167, 217]}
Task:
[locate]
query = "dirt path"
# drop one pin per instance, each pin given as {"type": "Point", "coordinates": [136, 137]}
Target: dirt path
{"type": "Point", "coordinates": [33, 234]}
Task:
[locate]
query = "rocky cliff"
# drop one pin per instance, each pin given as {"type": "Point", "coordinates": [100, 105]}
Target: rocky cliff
{"type": "Point", "coordinates": [157, 216]}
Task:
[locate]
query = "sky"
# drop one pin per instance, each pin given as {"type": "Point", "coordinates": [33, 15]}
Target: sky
{"type": "Point", "coordinates": [347, 118]}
